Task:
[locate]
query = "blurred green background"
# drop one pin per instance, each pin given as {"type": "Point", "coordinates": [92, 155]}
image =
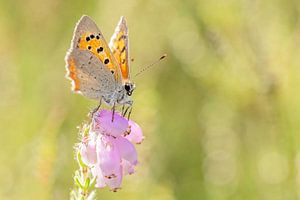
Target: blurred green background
{"type": "Point", "coordinates": [221, 114]}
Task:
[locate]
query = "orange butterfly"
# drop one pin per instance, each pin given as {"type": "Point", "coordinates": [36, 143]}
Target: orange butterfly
{"type": "Point", "coordinates": [98, 70]}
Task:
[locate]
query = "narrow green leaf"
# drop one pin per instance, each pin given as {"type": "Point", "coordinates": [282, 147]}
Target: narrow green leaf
{"type": "Point", "coordinates": [78, 183]}
{"type": "Point", "coordinates": [87, 183]}
{"type": "Point", "coordinates": [79, 160]}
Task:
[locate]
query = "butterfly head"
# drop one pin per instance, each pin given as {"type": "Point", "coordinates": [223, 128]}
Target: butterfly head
{"type": "Point", "coordinates": [129, 87]}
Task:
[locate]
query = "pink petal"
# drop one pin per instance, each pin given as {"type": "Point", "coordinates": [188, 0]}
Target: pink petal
{"type": "Point", "coordinates": [114, 183]}
{"type": "Point", "coordinates": [128, 168]}
{"type": "Point", "coordinates": [100, 181]}
{"type": "Point", "coordinates": [126, 149]}
{"type": "Point", "coordinates": [102, 122]}
{"type": "Point", "coordinates": [109, 159]}
{"type": "Point", "coordinates": [93, 136]}
{"type": "Point", "coordinates": [135, 134]}
{"type": "Point", "coordinates": [88, 153]}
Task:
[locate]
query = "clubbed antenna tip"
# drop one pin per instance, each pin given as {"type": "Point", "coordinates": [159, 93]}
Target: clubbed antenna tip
{"type": "Point", "coordinates": [149, 66]}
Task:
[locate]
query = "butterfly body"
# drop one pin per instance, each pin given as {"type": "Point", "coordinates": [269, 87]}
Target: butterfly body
{"type": "Point", "coordinates": [119, 96]}
{"type": "Point", "coordinates": [98, 70]}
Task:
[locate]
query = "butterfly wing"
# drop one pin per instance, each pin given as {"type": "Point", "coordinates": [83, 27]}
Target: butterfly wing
{"type": "Point", "coordinates": [90, 77]}
{"type": "Point", "coordinates": [89, 62]}
{"type": "Point", "coordinates": [87, 36]}
{"type": "Point", "coordinates": [119, 46]}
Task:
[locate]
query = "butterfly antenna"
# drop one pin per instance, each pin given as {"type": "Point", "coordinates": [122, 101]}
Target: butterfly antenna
{"type": "Point", "coordinates": [149, 66]}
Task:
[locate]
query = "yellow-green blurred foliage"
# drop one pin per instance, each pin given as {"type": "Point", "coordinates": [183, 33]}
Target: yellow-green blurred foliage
{"type": "Point", "coordinates": [221, 115]}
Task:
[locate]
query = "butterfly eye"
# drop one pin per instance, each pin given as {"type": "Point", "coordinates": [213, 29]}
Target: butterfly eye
{"type": "Point", "coordinates": [127, 88]}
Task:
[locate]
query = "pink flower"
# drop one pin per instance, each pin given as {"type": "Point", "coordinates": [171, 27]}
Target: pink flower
{"type": "Point", "coordinates": [134, 133]}
{"type": "Point", "coordinates": [102, 123]}
{"type": "Point", "coordinates": [109, 151]}
{"type": "Point", "coordinates": [88, 153]}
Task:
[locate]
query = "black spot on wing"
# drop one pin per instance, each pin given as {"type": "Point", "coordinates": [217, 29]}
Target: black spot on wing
{"type": "Point", "coordinates": [106, 61]}
{"type": "Point", "coordinates": [100, 49]}
{"type": "Point", "coordinates": [123, 49]}
{"type": "Point", "coordinates": [122, 37]}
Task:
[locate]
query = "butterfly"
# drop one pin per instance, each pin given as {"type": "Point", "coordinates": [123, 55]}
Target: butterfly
{"type": "Point", "coordinates": [99, 70]}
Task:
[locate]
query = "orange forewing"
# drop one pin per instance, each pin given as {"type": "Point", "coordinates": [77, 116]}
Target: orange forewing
{"type": "Point", "coordinates": [99, 48]}
{"type": "Point", "coordinates": [119, 47]}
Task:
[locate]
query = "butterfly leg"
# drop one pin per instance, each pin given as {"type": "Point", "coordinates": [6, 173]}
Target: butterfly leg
{"type": "Point", "coordinates": [123, 109]}
{"type": "Point", "coordinates": [95, 109]}
{"type": "Point", "coordinates": [126, 111]}
{"type": "Point", "coordinates": [129, 113]}
{"type": "Point", "coordinates": [113, 112]}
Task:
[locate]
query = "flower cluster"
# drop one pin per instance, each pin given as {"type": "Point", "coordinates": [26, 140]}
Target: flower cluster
{"type": "Point", "coordinates": [108, 148]}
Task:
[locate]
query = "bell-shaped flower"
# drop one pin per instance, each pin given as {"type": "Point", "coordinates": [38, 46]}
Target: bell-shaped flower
{"type": "Point", "coordinates": [110, 152]}
{"type": "Point", "coordinates": [134, 133]}
{"type": "Point", "coordinates": [88, 152]}
{"type": "Point", "coordinates": [109, 123]}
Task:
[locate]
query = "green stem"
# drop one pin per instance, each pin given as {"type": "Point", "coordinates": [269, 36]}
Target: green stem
{"type": "Point", "coordinates": [83, 185]}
